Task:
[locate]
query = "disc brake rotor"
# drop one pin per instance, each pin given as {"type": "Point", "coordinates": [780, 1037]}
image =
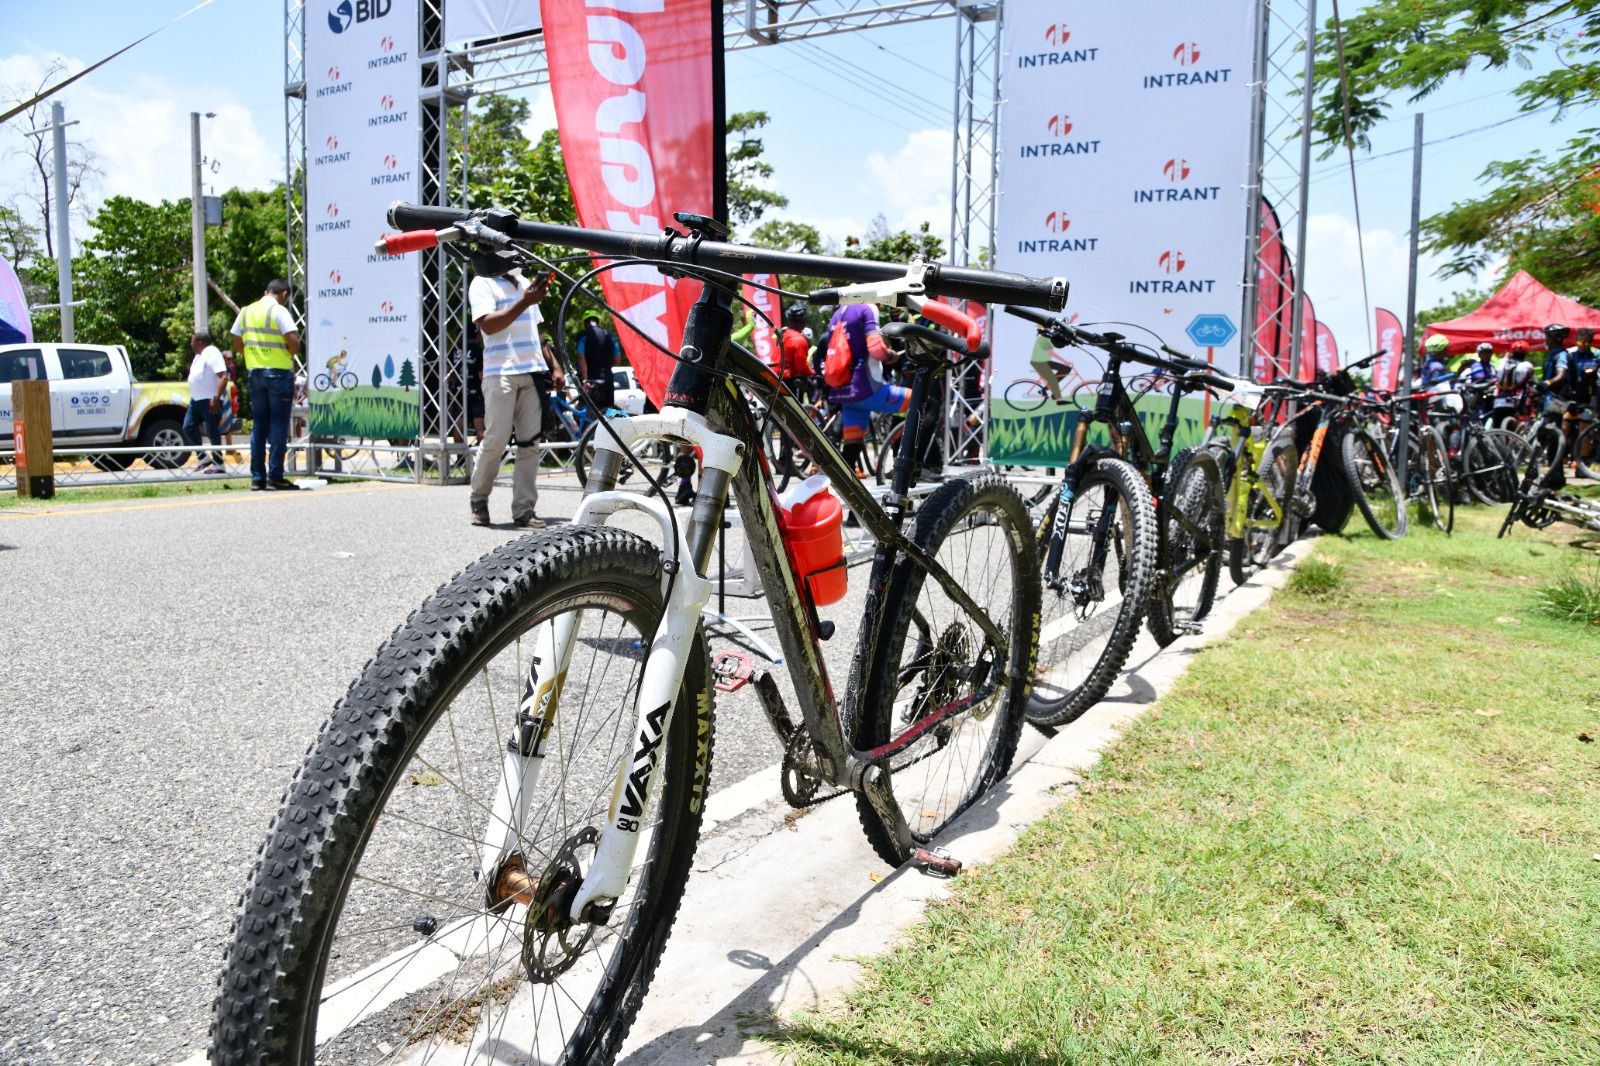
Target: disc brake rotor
{"type": "Point", "coordinates": [551, 940]}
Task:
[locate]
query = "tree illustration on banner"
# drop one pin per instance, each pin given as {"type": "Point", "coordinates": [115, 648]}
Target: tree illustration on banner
{"type": "Point", "coordinates": [408, 376]}
{"type": "Point", "coordinates": [388, 366]}
{"type": "Point", "coordinates": [377, 376]}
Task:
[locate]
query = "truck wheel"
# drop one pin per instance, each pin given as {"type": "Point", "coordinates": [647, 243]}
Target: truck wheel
{"type": "Point", "coordinates": [111, 464]}
{"type": "Point", "coordinates": [163, 433]}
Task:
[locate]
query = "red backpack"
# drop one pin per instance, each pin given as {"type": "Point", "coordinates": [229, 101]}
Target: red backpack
{"type": "Point", "coordinates": [841, 362]}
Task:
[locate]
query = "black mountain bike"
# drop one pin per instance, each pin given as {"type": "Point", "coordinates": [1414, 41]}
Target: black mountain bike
{"type": "Point", "coordinates": [1109, 553]}
{"type": "Point", "coordinates": [484, 852]}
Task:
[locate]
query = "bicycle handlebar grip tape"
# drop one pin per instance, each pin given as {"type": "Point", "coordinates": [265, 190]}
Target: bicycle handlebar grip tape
{"type": "Point", "coordinates": [405, 216]}
{"type": "Point", "coordinates": [401, 243]}
{"type": "Point", "coordinates": [959, 323]}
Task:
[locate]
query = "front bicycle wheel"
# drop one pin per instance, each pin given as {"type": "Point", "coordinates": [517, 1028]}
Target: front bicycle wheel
{"type": "Point", "coordinates": [1093, 607]}
{"type": "Point", "coordinates": [1433, 487]}
{"type": "Point", "coordinates": [1026, 394]}
{"type": "Point", "coordinates": [1376, 483]}
{"type": "Point", "coordinates": [1190, 519]}
{"type": "Point", "coordinates": [368, 933]}
{"type": "Point", "coordinates": [934, 654]}
{"type": "Point", "coordinates": [1586, 452]}
{"type": "Point", "coordinates": [1488, 469]}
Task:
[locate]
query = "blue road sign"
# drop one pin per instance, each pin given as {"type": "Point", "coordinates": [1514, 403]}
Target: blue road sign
{"type": "Point", "coordinates": [1211, 331]}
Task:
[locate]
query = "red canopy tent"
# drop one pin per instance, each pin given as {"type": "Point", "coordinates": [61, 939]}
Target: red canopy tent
{"type": "Point", "coordinates": [1518, 312]}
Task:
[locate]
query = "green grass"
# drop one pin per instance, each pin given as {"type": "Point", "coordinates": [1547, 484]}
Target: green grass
{"type": "Point", "coordinates": [1317, 579]}
{"type": "Point", "coordinates": [1043, 437]}
{"type": "Point", "coordinates": [1573, 597]}
{"type": "Point", "coordinates": [382, 413]}
{"type": "Point", "coordinates": [127, 491]}
{"type": "Point", "coordinates": [1363, 828]}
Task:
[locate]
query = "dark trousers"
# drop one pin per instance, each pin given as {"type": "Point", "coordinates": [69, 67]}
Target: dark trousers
{"type": "Point", "coordinates": [200, 414]}
{"type": "Point", "coordinates": [271, 400]}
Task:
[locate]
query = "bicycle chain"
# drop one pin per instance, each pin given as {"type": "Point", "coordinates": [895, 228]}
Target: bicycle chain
{"type": "Point", "coordinates": [800, 778]}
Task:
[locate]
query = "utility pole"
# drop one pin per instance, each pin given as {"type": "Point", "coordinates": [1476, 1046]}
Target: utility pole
{"type": "Point", "coordinates": [197, 225]}
{"type": "Point", "coordinates": [1408, 357]}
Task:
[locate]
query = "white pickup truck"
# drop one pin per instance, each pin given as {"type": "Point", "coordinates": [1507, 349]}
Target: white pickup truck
{"type": "Point", "coordinates": [94, 400]}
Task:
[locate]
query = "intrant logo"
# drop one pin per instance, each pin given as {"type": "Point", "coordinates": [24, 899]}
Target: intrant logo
{"type": "Point", "coordinates": [333, 74]}
{"type": "Point", "coordinates": [1057, 33]}
{"type": "Point", "coordinates": [1187, 54]}
{"type": "Point", "coordinates": [386, 307]}
{"type": "Point", "coordinates": [386, 43]}
{"type": "Point", "coordinates": [1059, 125]}
{"type": "Point", "coordinates": [1171, 261]}
{"type": "Point", "coordinates": [1176, 169]}
{"type": "Point", "coordinates": [332, 209]}
{"type": "Point", "coordinates": [386, 102]}
{"type": "Point", "coordinates": [350, 11]}
{"type": "Point", "coordinates": [390, 162]}
{"type": "Point", "coordinates": [332, 143]}
{"type": "Point", "coordinates": [1057, 222]}
{"type": "Point", "coordinates": [334, 276]}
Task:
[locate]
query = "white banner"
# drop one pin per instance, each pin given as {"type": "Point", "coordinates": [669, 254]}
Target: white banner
{"type": "Point", "coordinates": [363, 310]}
{"type": "Point", "coordinates": [1125, 148]}
{"type": "Point", "coordinates": [477, 20]}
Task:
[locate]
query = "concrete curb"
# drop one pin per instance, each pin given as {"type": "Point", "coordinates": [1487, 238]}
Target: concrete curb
{"type": "Point", "coordinates": [781, 909]}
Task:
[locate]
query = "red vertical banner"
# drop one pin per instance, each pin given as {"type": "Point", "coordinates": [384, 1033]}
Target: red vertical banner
{"type": "Point", "coordinates": [1307, 370]}
{"type": "Point", "coordinates": [1274, 284]}
{"type": "Point", "coordinates": [764, 341]}
{"type": "Point", "coordinates": [1391, 342]}
{"type": "Point", "coordinates": [632, 85]}
{"type": "Point", "coordinates": [1327, 350]}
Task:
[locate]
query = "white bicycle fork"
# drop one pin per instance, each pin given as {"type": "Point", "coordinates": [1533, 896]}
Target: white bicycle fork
{"type": "Point", "coordinates": [607, 876]}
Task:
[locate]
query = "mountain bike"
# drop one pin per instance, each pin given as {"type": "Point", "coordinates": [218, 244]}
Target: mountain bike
{"type": "Point", "coordinates": [1483, 461]}
{"type": "Point", "coordinates": [1539, 502]}
{"type": "Point", "coordinates": [1113, 558]}
{"type": "Point", "coordinates": [1258, 468]}
{"type": "Point", "coordinates": [486, 846]}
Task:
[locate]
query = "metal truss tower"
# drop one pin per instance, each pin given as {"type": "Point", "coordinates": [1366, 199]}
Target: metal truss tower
{"type": "Point", "coordinates": [1281, 162]}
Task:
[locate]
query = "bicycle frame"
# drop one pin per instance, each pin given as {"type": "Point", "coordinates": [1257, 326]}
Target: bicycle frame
{"type": "Point", "coordinates": [720, 433]}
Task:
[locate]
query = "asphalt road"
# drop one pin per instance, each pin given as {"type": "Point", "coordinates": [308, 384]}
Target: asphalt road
{"type": "Point", "coordinates": [170, 661]}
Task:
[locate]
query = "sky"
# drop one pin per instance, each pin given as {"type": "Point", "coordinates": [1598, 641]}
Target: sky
{"type": "Point", "coordinates": [859, 128]}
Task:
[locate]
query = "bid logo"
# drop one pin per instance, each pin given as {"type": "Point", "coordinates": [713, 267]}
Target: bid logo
{"type": "Point", "coordinates": [1176, 169]}
{"type": "Point", "coordinates": [1170, 262]}
{"type": "Point", "coordinates": [1187, 54]}
{"type": "Point", "coordinates": [1057, 222]}
{"type": "Point", "coordinates": [332, 209]}
{"type": "Point", "coordinates": [335, 277]}
{"type": "Point", "coordinates": [386, 102]}
{"type": "Point", "coordinates": [1059, 125]}
{"type": "Point", "coordinates": [340, 18]}
{"type": "Point", "coordinates": [333, 143]}
{"type": "Point", "coordinates": [1057, 33]}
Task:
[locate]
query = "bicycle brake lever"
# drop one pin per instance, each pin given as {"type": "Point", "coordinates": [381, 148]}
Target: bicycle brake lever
{"type": "Point", "coordinates": [877, 292]}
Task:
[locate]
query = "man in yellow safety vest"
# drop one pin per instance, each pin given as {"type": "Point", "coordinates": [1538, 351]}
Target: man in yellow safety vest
{"type": "Point", "coordinates": [265, 334]}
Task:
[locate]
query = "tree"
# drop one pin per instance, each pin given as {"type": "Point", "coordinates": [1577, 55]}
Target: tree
{"type": "Point", "coordinates": [1458, 304]}
{"type": "Point", "coordinates": [83, 163]}
{"type": "Point", "coordinates": [408, 376]}
{"type": "Point", "coordinates": [377, 376]}
{"type": "Point", "coordinates": [1540, 211]}
{"type": "Point", "coordinates": [896, 247]}
{"type": "Point", "coordinates": [388, 366]}
{"type": "Point", "coordinates": [748, 196]}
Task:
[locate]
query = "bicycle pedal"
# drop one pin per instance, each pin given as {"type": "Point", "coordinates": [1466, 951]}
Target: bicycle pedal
{"type": "Point", "coordinates": [731, 670]}
{"type": "Point", "coordinates": [936, 862]}
{"type": "Point", "coordinates": [1189, 629]}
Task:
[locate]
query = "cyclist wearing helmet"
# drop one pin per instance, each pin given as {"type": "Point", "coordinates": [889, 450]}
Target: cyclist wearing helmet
{"type": "Point", "coordinates": [794, 352]}
{"type": "Point", "coordinates": [1556, 379]}
{"type": "Point", "coordinates": [1433, 353]}
{"type": "Point", "coordinates": [1483, 370]}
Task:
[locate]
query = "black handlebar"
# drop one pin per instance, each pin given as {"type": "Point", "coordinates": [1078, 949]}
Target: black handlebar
{"type": "Point", "coordinates": [986, 286]}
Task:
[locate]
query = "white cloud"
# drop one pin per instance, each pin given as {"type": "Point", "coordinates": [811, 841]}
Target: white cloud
{"type": "Point", "coordinates": [914, 180]}
{"type": "Point", "coordinates": [1333, 277]}
{"type": "Point", "coordinates": [139, 128]}
{"type": "Point", "coordinates": [541, 113]}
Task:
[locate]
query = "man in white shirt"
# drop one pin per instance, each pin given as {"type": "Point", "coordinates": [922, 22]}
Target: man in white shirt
{"type": "Point", "coordinates": [208, 376]}
{"type": "Point", "coordinates": [506, 309]}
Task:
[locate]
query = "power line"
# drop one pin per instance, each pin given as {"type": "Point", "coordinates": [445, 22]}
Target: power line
{"type": "Point", "coordinates": [1440, 140]}
{"type": "Point", "coordinates": [918, 106]}
{"type": "Point", "coordinates": [897, 123]}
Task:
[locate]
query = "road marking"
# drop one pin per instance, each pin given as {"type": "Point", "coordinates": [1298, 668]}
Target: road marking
{"type": "Point", "coordinates": [209, 498]}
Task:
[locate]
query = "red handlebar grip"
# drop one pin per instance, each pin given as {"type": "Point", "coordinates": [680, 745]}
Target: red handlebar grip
{"type": "Point", "coordinates": [414, 241]}
{"type": "Point", "coordinates": [951, 319]}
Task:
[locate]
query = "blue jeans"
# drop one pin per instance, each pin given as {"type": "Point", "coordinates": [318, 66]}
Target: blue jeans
{"type": "Point", "coordinates": [201, 414]}
{"type": "Point", "coordinates": [271, 398]}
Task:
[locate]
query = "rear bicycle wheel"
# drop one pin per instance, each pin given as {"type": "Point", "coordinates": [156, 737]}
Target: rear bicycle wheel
{"type": "Point", "coordinates": [1433, 485]}
{"type": "Point", "coordinates": [934, 654]}
{"type": "Point", "coordinates": [1091, 620]}
{"type": "Point", "coordinates": [1487, 469]}
{"type": "Point", "coordinates": [1191, 521]}
{"type": "Point", "coordinates": [780, 452]}
{"type": "Point", "coordinates": [1026, 394]}
{"type": "Point", "coordinates": [1586, 452]}
{"type": "Point", "coordinates": [1266, 509]}
{"type": "Point", "coordinates": [1375, 483]}
{"type": "Point", "coordinates": [367, 933]}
